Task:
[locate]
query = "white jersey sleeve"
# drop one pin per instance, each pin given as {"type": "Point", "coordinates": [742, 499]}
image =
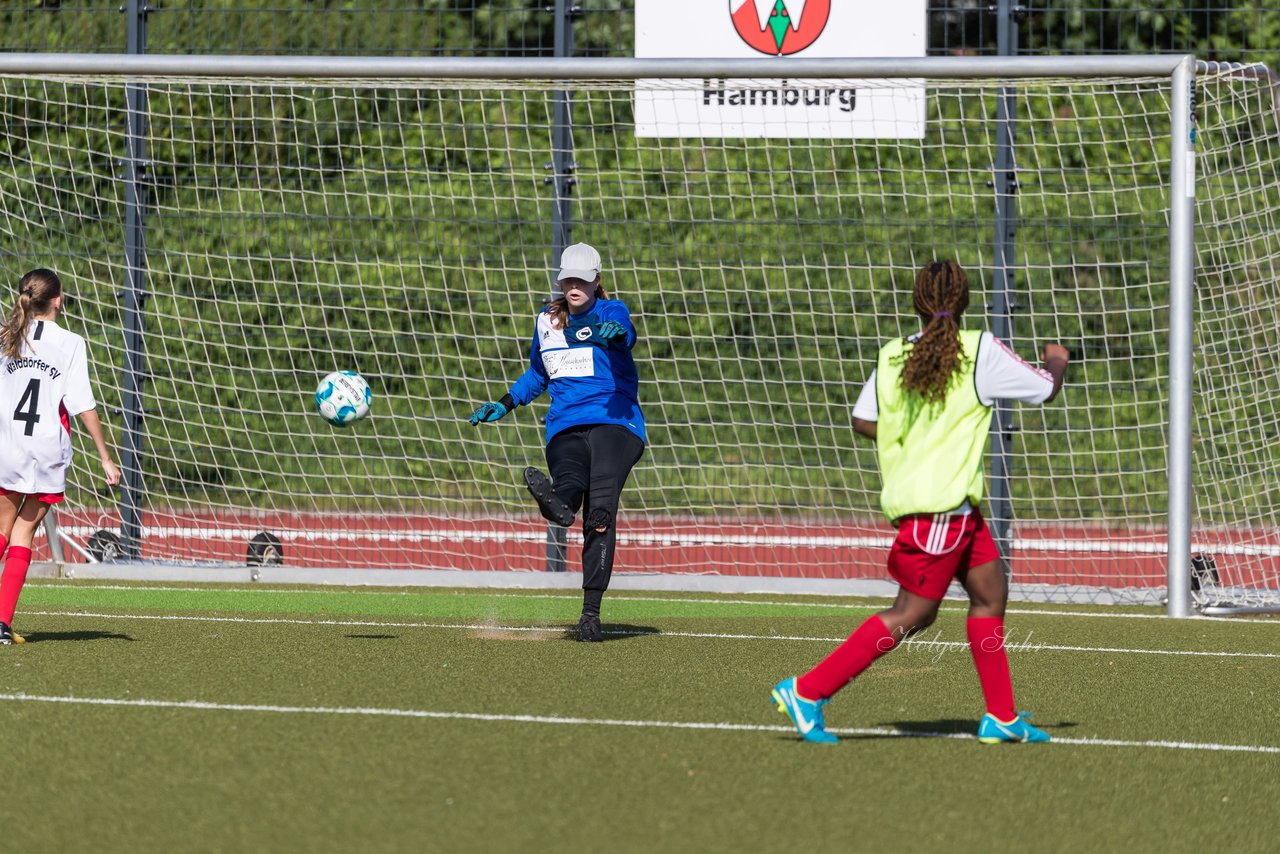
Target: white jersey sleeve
{"type": "Point", "coordinates": [78, 395]}
{"type": "Point", "coordinates": [1003, 375]}
{"type": "Point", "coordinates": [868, 406]}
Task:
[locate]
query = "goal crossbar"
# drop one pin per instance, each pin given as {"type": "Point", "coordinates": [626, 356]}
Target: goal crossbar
{"type": "Point", "coordinates": [585, 68]}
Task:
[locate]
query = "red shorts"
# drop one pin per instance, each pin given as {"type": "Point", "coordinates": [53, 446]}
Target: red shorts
{"type": "Point", "coordinates": [931, 549]}
{"type": "Point", "coordinates": [43, 497]}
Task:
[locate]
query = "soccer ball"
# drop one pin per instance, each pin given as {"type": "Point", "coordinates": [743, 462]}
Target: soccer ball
{"type": "Point", "coordinates": [343, 397]}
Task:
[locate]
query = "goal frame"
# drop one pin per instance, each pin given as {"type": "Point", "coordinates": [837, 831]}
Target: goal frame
{"type": "Point", "coordinates": [1180, 69]}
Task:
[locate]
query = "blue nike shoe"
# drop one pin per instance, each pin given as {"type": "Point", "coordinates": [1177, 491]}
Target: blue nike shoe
{"type": "Point", "coordinates": [805, 714]}
{"type": "Point", "coordinates": [992, 731]}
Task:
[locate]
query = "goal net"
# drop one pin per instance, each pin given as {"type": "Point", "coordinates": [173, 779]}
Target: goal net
{"type": "Point", "coordinates": [402, 228]}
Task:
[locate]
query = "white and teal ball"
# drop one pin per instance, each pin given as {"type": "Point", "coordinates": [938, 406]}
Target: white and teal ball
{"type": "Point", "coordinates": [343, 397]}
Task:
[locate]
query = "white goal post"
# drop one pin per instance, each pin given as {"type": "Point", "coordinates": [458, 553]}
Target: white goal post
{"type": "Point", "coordinates": [234, 228]}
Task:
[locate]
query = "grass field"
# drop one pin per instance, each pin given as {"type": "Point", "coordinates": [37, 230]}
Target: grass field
{"type": "Point", "coordinates": [170, 717]}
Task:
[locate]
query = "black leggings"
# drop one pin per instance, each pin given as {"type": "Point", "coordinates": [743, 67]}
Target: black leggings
{"type": "Point", "coordinates": [588, 467]}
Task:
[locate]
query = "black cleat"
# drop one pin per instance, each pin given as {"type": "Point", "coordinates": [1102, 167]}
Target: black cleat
{"type": "Point", "coordinates": [589, 629]}
{"type": "Point", "coordinates": [8, 636]}
{"type": "Point", "coordinates": [553, 509]}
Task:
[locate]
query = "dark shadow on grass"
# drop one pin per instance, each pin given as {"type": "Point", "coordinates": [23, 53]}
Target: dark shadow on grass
{"type": "Point", "coordinates": [373, 637]}
{"type": "Point", "coordinates": [615, 631]}
{"type": "Point", "coordinates": [949, 728]}
{"type": "Point", "coordinates": [87, 635]}
{"type": "Point", "coordinates": [943, 727]}
{"type": "Point", "coordinates": [623, 631]}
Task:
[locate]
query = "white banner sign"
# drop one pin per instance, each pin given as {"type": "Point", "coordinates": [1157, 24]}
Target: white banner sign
{"type": "Point", "coordinates": [779, 107]}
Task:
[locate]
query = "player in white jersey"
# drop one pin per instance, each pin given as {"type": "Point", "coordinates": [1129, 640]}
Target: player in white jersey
{"type": "Point", "coordinates": [44, 379]}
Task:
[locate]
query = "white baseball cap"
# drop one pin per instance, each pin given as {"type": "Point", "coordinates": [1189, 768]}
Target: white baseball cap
{"type": "Point", "coordinates": [579, 261]}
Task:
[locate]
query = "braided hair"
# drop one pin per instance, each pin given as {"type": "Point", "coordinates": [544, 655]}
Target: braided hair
{"type": "Point", "coordinates": [941, 295]}
{"type": "Point", "coordinates": [36, 292]}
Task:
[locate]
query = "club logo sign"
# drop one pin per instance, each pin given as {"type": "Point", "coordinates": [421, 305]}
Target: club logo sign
{"type": "Point", "coordinates": [779, 27]}
{"type": "Point", "coordinates": [777, 104]}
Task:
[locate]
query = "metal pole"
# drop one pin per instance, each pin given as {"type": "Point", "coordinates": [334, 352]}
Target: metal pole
{"type": "Point", "coordinates": [1182, 189]}
{"type": "Point", "coordinates": [562, 165]}
{"type": "Point", "coordinates": [55, 539]}
{"type": "Point", "coordinates": [1003, 304]}
{"type": "Point", "coordinates": [561, 181]}
{"type": "Point", "coordinates": [134, 294]}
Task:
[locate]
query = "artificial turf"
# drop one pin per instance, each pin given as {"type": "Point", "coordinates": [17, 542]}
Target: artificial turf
{"type": "Point", "coordinates": [216, 718]}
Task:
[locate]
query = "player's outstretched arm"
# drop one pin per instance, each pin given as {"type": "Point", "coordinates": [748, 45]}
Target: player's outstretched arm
{"type": "Point", "coordinates": [864, 428]}
{"type": "Point", "coordinates": [89, 418]}
{"type": "Point", "coordinates": [1054, 358]}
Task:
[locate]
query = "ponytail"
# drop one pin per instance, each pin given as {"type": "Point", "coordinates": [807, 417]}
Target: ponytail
{"type": "Point", "coordinates": [36, 292]}
{"type": "Point", "coordinates": [941, 295]}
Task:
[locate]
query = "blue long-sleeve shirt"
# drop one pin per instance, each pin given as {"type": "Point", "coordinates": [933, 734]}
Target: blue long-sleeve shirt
{"type": "Point", "coordinates": [591, 381]}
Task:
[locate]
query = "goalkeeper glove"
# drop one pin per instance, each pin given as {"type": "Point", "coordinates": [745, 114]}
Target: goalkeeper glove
{"type": "Point", "coordinates": [611, 329]}
{"type": "Point", "coordinates": [488, 412]}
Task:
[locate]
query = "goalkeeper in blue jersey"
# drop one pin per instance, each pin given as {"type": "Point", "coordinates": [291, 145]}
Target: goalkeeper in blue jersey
{"type": "Point", "coordinates": [581, 353]}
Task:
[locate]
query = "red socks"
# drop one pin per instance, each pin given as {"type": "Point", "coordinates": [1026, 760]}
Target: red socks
{"type": "Point", "coordinates": [11, 581]}
{"type": "Point", "coordinates": [872, 640]}
{"type": "Point", "coordinates": [986, 642]}
{"type": "Point", "coordinates": [869, 642]}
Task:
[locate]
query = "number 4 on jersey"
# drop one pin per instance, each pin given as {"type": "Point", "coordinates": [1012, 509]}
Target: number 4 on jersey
{"type": "Point", "coordinates": [27, 406]}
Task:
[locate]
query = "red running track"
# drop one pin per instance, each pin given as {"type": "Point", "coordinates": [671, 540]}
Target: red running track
{"type": "Point", "coordinates": [834, 549]}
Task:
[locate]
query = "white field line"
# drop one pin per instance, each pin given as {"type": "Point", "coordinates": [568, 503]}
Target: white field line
{"type": "Point", "coordinates": [619, 596]}
{"type": "Point", "coordinates": [1011, 645]}
{"type": "Point", "coordinates": [362, 711]}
